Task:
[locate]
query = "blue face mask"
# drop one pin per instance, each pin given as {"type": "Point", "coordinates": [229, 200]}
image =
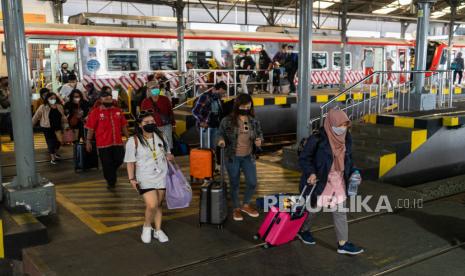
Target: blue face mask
{"type": "Point", "coordinates": [155, 91]}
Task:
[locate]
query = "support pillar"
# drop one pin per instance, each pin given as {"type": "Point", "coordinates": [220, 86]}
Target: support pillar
{"type": "Point", "coordinates": [305, 63]}
{"type": "Point", "coordinates": [343, 44]}
{"type": "Point", "coordinates": [290, 159]}
{"type": "Point", "coordinates": [420, 100]}
{"type": "Point", "coordinates": [403, 28]}
{"type": "Point", "coordinates": [180, 34]}
{"type": "Point", "coordinates": [453, 13]}
{"type": "Point", "coordinates": [27, 188]}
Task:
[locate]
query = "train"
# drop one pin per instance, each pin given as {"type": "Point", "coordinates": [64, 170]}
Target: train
{"type": "Point", "coordinates": [108, 55]}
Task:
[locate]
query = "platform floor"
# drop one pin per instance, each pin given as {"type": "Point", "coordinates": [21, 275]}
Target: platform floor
{"type": "Point", "coordinates": [97, 232]}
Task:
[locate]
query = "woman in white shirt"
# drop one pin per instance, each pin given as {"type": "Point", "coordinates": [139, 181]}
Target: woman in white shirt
{"type": "Point", "coordinates": [147, 156]}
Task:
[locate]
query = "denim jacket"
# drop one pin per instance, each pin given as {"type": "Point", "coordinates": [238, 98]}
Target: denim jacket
{"type": "Point", "coordinates": [228, 131]}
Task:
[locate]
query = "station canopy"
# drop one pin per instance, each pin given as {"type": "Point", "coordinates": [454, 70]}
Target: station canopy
{"type": "Point", "coordinates": [357, 8]}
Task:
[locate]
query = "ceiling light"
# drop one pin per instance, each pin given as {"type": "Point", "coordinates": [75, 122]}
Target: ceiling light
{"type": "Point", "coordinates": [385, 10]}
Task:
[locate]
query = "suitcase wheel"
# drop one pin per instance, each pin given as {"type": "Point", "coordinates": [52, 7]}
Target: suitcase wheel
{"type": "Point", "coordinates": [256, 237]}
{"type": "Point", "coordinates": [220, 227]}
{"type": "Point", "coordinates": [266, 245]}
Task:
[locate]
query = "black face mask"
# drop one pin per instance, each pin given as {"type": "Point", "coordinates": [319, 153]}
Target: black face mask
{"type": "Point", "coordinates": [107, 104]}
{"type": "Point", "coordinates": [150, 128]}
{"type": "Point", "coordinates": [244, 112]}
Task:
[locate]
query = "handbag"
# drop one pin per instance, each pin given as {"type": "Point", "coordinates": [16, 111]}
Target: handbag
{"type": "Point", "coordinates": [178, 190]}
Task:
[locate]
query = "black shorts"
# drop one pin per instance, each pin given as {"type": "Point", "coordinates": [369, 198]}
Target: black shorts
{"type": "Point", "coordinates": [143, 191]}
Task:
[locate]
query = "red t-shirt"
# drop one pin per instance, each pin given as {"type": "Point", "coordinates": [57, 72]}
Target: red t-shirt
{"type": "Point", "coordinates": [107, 124]}
{"type": "Point", "coordinates": [162, 110]}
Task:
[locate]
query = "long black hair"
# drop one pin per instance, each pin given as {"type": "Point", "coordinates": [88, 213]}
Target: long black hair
{"type": "Point", "coordinates": [48, 96]}
{"type": "Point", "coordinates": [242, 99]}
{"type": "Point", "coordinates": [139, 133]}
{"type": "Point", "coordinates": [74, 92]}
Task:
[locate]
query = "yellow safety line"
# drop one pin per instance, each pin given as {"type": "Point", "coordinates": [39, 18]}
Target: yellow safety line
{"type": "Point", "coordinates": [322, 98]}
{"type": "Point", "coordinates": [419, 137]}
{"type": "Point", "coordinates": [82, 215]}
{"type": "Point", "coordinates": [259, 101]}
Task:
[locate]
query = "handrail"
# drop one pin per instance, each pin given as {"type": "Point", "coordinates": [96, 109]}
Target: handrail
{"type": "Point", "coordinates": [192, 99]}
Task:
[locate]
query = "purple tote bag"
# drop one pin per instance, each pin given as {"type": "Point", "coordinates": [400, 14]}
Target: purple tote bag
{"type": "Point", "coordinates": [178, 190]}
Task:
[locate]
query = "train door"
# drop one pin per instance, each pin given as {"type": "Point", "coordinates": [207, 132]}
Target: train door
{"type": "Point", "coordinates": [254, 50]}
{"type": "Point", "coordinates": [373, 60]}
{"type": "Point", "coordinates": [46, 57]}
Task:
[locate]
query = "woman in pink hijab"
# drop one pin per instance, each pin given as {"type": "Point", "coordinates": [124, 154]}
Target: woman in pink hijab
{"type": "Point", "coordinates": [326, 161]}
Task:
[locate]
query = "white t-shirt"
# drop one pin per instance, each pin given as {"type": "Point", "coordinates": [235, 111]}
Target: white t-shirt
{"type": "Point", "coordinates": [66, 89]}
{"type": "Point", "coordinates": [150, 173]}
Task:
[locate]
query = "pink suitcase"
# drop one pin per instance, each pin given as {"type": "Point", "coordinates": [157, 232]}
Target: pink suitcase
{"type": "Point", "coordinates": [281, 227]}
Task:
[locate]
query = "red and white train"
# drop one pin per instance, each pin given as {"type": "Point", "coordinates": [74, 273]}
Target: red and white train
{"type": "Point", "coordinates": [125, 55]}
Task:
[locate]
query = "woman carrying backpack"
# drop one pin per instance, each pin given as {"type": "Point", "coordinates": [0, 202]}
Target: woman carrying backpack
{"type": "Point", "coordinates": [147, 156]}
{"type": "Point", "coordinates": [326, 161]}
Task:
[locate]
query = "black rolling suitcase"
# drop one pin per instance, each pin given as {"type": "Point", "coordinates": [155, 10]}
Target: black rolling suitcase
{"type": "Point", "coordinates": [213, 202]}
{"type": "Point", "coordinates": [84, 160]}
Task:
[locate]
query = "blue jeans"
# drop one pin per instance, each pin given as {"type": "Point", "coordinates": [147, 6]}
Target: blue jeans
{"type": "Point", "coordinates": [234, 166]}
{"type": "Point", "coordinates": [204, 137]}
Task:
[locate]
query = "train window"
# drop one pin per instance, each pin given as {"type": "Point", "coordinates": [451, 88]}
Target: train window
{"type": "Point", "coordinates": [200, 58]}
{"type": "Point", "coordinates": [319, 60]}
{"type": "Point", "coordinates": [337, 60]}
{"type": "Point", "coordinates": [444, 56]}
{"type": "Point", "coordinates": [163, 60]}
{"type": "Point", "coordinates": [123, 60]}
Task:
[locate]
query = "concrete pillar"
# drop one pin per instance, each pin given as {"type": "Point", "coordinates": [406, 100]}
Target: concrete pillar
{"type": "Point", "coordinates": [403, 28]}
{"type": "Point", "coordinates": [26, 189]}
{"type": "Point", "coordinates": [424, 9]}
{"type": "Point", "coordinates": [453, 13]}
{"type": "Point", "coordinates": [305, 63]}
{"type": "Point", "coordinates": [16, 51]}
{"type": "Point", "coordinates": [180, 31]}
{"type": "Point", "coordinates": [343, 44]}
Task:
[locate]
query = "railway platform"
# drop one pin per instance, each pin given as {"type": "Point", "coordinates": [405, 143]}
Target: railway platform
{"type": "Point", "coordinates": [97, 232]}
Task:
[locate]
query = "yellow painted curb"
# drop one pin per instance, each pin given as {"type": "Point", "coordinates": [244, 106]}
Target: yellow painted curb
{"type": "Point", "coordinates": [370, 119]}
{"type": "Point", "coordinates": [446, 91]}
{"type": "Point", "coordinates": [373, 94]}
{"type": "Point", "coordinates": [2, 245]}
{"type": "Point", "coordinates": [458, 90]}
{"type": "Point", "coordinates": [386, 163]}
{"type": "Point", "coordinates": [180, 127]}
{"type": "Point", "coordinates": [342, 98]}
{"type": "Point", "coordinates": [419, 137]}
{"type": "Point", "coordinates": [450, 121]}
{"type": "Point", "coordinates": [405, 122]}
{"type": "Point", "coordinates": [390, 95]}
{"type": "Point", "coordinates": [358, 96]}
{"type": "Point", "coordinates": [259, 101]}
{"type": "Point", "coordinates": [322, 98]}
{"type": "Point", "coordinates": [280, 100]}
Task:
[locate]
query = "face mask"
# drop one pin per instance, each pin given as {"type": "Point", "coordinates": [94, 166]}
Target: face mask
{"type": "Point", "coordinates": [77, 100]}
{"type": "Point", "coordinates": [107, 104]}
{"type": "Point", "coordinates": [244, 112]}
{"type": "Point", "coordinates": [52, 101]}
{"type": "Point", "coordinates": [149, 128]}
{"type": "Point", "coordinates": [155, 91]}
{"type": "Point", "coordinates": [339, 130]}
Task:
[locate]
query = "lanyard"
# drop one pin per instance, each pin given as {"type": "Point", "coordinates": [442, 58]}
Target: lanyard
{"type": "Point", "coordinates": [154, 149]}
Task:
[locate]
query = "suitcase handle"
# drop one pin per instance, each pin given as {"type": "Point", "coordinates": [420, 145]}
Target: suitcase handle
{"type": "Point", "coordinates": [301, 197]}
{"type": "Point", "coordinates": [202, 130]}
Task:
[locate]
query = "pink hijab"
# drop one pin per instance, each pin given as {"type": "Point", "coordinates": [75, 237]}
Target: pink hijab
{"type": "Point", "coordinates": [336, 118]}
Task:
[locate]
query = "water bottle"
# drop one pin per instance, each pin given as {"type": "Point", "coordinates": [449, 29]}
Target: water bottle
{"type": "Point", "coordinates": [354, 181]}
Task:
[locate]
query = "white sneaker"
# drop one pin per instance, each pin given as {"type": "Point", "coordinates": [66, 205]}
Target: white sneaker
{"type": "Point", "coordinates": [160, 236]}
{"type": "Point", "coordinates": [146, 236]}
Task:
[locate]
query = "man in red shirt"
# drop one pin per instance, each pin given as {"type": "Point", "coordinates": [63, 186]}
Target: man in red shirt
{"type": "Point", "coordinates": [107, 122]}
{"type": "Point", "coordinates": [162, 110]}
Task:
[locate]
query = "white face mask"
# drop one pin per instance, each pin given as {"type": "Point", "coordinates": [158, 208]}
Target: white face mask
{"type": "Point", "coordinates": [52, 101]}
{"type": "Point", "coordinates": [339, 130]}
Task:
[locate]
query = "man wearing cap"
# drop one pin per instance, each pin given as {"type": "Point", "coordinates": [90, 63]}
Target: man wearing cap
{"type": "Point", "coordinates": [162, 110]}
{"type": "Point", "coordinates": [108, 124]}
